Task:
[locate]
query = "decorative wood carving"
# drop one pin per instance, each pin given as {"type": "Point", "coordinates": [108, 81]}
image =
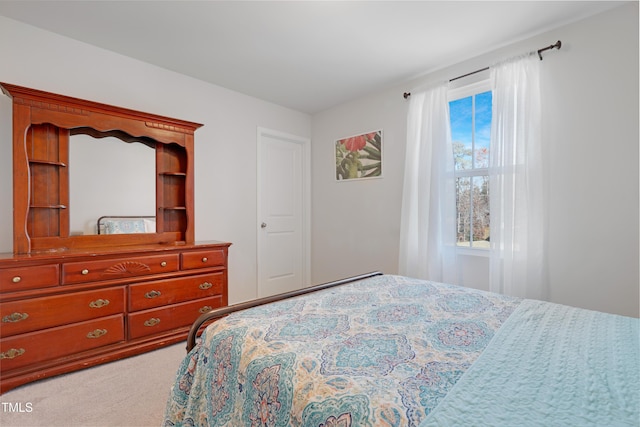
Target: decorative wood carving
{"type": "Point", "coordinates": [128, 267]}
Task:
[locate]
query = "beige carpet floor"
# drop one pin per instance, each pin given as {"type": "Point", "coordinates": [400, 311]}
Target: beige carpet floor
{"type": "Point", "coordinates": [130, 392]}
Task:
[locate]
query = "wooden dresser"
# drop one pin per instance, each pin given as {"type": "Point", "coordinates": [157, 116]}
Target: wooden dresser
{"type": "Point", "coordinates": [69, 299]}
{"type": "Point", "coordinates": [65, 311]}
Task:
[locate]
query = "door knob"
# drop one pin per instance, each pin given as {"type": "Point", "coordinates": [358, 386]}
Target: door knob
{"type": "Point", "coordinates": [263, 225]}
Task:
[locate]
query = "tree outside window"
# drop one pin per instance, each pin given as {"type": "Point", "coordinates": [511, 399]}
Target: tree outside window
{"type": "Point", "coordinates": [470, 118]}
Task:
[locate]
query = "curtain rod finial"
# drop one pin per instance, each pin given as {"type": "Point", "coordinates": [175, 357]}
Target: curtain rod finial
{"type": "Point", "coordinates": [556, 45]}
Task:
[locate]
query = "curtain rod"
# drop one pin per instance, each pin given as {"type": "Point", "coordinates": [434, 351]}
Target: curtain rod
{"type": "Point", "coordinates": [556, 45]}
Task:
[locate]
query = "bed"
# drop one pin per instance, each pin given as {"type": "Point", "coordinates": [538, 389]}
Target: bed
{"type": "Point", "coordinates": [125, 224]}
{"type": "Point", "coordinates": [386, 350]}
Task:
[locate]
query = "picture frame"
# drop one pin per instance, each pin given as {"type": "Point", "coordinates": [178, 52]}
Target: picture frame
{"type": "Point", "coordinates": [359, 156]}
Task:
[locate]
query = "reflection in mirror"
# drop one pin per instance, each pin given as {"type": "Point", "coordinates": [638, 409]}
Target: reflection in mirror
{"type": "Point", "coordinates": [108, 176]}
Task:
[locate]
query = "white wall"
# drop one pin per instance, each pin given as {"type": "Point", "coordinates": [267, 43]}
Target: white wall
{"type": "Point", "coordinates": [225, 169]}
{"type": "Point", "coordinates": [590, 137]}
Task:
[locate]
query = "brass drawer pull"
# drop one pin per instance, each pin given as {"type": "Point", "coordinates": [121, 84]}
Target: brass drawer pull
{"type": "Point", "coordinates": [205, 259]}
{"type": "Point", "coordinates": [204, 286]}
{"type": "Point", "coordinates": [205, 309]}
{"type": "Point", "coordinates": [12, 353]}
{"type": "Point", "coordinates": [97, 333]}
{"type": "Point", "coordinates": [151, 322]}
{"type": "Point", "coordinates": [84, 272]}
{"type": "Point", "coordinates": [99, 303]}
{"type": "Point", "coordinates": [163, 264]}
{"type": "Point", "coordinates": [16, 279]}
{"type": "Point", "coordinates": [14, 318]}
{"type": "Point", "coordinates": [152, 294]}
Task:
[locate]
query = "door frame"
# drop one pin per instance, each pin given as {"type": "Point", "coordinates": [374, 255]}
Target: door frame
{"type": "Point", "coordinates": [305, 143]}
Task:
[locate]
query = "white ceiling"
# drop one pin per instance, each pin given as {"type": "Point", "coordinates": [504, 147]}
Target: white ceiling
{"type": "Point", "coordinates": [305, 55]}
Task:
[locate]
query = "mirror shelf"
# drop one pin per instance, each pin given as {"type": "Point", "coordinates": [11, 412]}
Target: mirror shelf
{"type": "Point", "coordinates": [42, 125]}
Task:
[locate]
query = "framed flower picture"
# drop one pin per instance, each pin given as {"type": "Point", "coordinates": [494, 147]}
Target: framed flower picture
{"type": "Point", "coordinates": [359, 156]}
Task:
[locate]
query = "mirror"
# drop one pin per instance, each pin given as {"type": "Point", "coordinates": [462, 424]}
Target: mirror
{"type": "Point", "coordinates": [108, 176]}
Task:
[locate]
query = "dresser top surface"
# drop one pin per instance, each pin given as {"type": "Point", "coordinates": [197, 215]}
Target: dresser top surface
{"type": "Point", "coordinates": [68, 254]}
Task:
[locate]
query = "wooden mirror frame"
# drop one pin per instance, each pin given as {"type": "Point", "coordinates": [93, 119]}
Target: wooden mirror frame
{"type": "Point", "coordinates": [42, 123]}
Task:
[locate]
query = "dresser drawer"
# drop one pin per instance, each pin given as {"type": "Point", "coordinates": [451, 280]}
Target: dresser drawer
{"type": "Point", "coordinates": [170, 317]}
{"type": "Point", "coordinates": [28, 349]}
{"type": "Point", "coordinates": [170, 291]}
{"type": "Point", "coordinates": [37, 313]}
{"type": "Point", "coordinates": [203, 259]}
{"type": "Point", "coordinates": [21, 278]}
{"type": "Point", "coordinates": [117, 268]}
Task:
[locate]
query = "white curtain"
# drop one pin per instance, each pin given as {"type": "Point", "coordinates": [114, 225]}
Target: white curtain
{"type": "Point", "coordinates": [427, 231]}
{"type": "Point", "coordinates": [517, 255]}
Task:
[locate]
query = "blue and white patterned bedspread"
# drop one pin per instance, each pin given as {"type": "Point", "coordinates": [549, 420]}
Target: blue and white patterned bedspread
{"type": "Point", "coordinates": [378, 352]}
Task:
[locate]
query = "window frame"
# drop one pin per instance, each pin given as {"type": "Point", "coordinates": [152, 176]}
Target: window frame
{"type": "Point", "coordinates": [460, 92]}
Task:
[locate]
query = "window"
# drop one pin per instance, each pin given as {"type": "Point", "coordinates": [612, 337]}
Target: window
{"type": "Point", "coordinates": [470, 116]}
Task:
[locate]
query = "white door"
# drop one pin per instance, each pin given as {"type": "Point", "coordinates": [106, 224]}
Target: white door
{"type": "Point", "coordinates": [283, 212]}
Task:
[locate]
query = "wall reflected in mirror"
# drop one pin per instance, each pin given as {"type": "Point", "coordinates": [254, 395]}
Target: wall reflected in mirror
{"type": "Point", "coordinates": [108, 176]}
